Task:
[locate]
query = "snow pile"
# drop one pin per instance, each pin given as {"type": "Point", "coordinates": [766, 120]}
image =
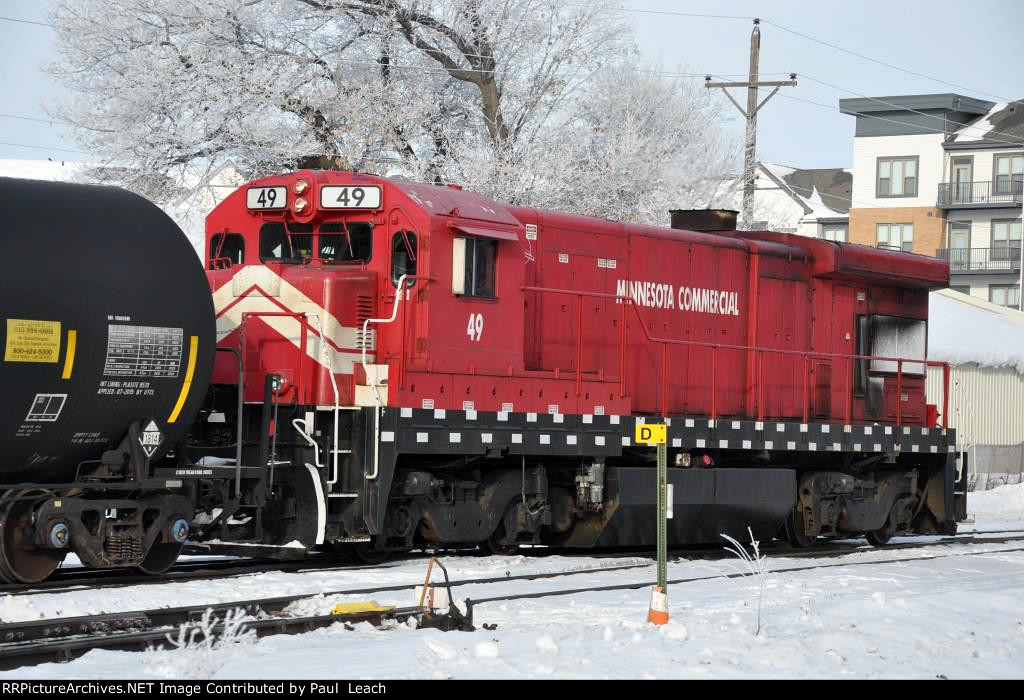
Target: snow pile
{"type": "Point", "coordinates": [977, 130]}
{"type": "Point", "coordinates": [1001, 503]}
{"type": "Point", "coordinates": [963, 331]}
{"type": "Point", "coordinates": [51, 170]}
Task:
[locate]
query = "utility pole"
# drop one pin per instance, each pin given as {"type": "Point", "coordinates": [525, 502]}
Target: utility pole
{"type": "Point", "coordinates": [752, 84]}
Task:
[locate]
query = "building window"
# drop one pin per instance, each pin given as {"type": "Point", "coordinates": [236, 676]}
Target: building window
{"type": "Point", "coordinates": [1004, 295]}
{"type": "Point", "coordinates": [958, 244]}
{"type": "Point", "coordinates": [1009, 173]}
{"type": "Point", "coordinates": [897, 177]}
{"type": "Point", "coordinates": [895, 236]}
{"type": "Point", "coordinates": [1006, 239]}
{"type": "Point", "coordinates": [834, 232]}
{"type": "Point", "coordinates": [963, 289]}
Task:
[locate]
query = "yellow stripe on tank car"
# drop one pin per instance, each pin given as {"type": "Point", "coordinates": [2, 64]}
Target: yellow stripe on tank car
{"type": "Point", "coordinates": [69, 356]}
{"type": "Point", "coordinates": [193, 348]}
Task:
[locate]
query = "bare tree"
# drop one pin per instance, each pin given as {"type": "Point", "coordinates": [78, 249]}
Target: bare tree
{"type": "Point", "coordinates": [524, 100]}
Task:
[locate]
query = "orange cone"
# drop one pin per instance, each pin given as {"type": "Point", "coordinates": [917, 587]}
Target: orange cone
{"type": "Point", "coordinates": [658, 612]}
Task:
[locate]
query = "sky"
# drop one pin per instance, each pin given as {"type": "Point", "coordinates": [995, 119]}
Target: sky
{"type": "Point", "coordinates": [973, 47]}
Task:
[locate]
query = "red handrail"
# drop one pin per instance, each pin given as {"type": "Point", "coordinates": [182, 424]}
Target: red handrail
{"type": "Point", "coordinates": [806, 355]}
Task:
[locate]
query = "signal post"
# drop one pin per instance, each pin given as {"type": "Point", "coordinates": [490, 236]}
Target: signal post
{"type": "Point", "coordinates": [657, 434]}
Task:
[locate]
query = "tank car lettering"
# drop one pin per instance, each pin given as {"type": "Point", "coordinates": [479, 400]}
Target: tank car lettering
{"type": "Point", "coordinates": [32, 341]}
{"type": "Point", "coordinates": [46, 408]}
{"type": "Point", "coordinates": [143, 351]}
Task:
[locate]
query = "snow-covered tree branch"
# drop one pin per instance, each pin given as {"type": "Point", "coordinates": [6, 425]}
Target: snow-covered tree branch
{"type": "Point", "coordinates": [530, 101]}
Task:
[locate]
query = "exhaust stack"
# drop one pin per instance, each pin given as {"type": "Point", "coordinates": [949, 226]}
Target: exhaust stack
{"type": "Point", "coordinates": [704, 219]}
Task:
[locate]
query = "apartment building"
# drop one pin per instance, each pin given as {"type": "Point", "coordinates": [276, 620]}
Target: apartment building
{"type": "Point", "coordinates": [942, 175]}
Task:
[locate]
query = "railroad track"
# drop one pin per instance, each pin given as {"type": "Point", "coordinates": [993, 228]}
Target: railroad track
{"type": "Point", "coordinates": [62, 639]}
{"type": "Point", "coordinates": [471, 605]}
{"type": "Point", "coordinates": [67, 579]}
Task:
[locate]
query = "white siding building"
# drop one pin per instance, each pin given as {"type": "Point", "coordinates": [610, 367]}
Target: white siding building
{"type": "Point", "coordinates": [984, 344]}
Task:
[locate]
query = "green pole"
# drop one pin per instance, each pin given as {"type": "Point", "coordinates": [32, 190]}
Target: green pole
{"type": "Point", "coordinates": [662, 515]}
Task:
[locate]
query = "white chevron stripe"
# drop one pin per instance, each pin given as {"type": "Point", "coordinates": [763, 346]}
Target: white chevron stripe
{"type": "Point", "coordinates": [294, 300]}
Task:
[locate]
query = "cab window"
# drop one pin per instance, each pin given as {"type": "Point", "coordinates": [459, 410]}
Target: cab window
{"type": "Point", "coordinates": [403, 257]}
{"type": "Point", "coordinates": [341, 242]}
{"type": "Point", "coordinates": [473, 267]}
{"type": "Point", "coordinates": [291, 244]}
{"type": "Point", "coordinates": [226, 249]}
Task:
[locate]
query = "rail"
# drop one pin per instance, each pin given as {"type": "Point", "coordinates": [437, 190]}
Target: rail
{"type": "Point", "coordinates": [755, 393]}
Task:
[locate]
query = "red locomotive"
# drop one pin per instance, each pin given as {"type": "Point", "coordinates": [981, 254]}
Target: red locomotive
{"type": "Point", "coordinates": [403, 364]}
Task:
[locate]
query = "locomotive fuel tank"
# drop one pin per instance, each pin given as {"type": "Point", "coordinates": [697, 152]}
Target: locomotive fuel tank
{"type": "Point", "coordinates": [106, 319]}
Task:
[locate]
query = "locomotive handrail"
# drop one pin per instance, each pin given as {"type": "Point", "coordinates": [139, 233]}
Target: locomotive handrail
{"type": "Point", "coordinates": [806, 355]}
{"type": "Point", "coordinates": [401, 291]}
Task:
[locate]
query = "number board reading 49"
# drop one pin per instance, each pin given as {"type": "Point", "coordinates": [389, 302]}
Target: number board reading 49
{"type": "Point", "coordinates": [266, 198]}
{"type": "Point", "coordinates": [347, 197]}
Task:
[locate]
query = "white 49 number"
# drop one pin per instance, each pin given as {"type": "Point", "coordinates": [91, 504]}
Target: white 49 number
{"type": "Point", "coordinates": [475, 329]}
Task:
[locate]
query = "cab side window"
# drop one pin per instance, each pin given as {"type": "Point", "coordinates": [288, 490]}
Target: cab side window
{"type": "Point", "coordinates": [226, 249]}
{"type": "Point", "coordinates": [403, 257]}
{"type": "Point", "coordinates": [473, 267]}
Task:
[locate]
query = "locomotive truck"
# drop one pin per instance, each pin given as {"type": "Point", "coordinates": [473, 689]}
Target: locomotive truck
{"type": "Point", "coordinates": [384, 365]}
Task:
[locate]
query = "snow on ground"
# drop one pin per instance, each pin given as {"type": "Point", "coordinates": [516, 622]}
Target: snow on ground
{"type": "Point", "coordinates": [949, 611]}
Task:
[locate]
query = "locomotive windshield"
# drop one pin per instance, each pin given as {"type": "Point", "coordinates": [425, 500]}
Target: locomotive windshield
{"type": "Point", "coordinates": [334, 242]}
{"type": "Point", "coordinates": [342, 242]}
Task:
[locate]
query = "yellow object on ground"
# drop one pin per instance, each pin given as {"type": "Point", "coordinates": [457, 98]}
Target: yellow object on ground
{"type": "Point", "coordinates": [365, 606]}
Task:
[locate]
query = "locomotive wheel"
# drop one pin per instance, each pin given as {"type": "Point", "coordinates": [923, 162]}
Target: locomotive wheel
{"type": "Point", "coordinates": [881, 536]}
{"type": "Point", "coordinates": [494, 546]}
{"type": "Point", "coordinates": [368, 555]}
{"type": "Point", "coordinates": [795, 531]}
{"type": "Point", "coordinates": [21, 561]}
{"type": "Point", "coordinates": [160, 558]}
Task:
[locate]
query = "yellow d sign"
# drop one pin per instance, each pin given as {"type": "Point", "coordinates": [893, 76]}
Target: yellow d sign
{"type": "Point", "coordinates": [651, 433]}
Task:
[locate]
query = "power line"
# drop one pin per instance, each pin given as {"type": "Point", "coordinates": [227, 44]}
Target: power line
{"type": "Point", "coordinates": [883, 63]}
{"type": "Point", "coordinates": [44, 148]}
{"type": "Point", "coordinates": [27, 21]}
{"type": "Point", "coordinates": [36, 119]}
{"type": "Point", "coordinates": [686, 14]}
{"type": "Point", "coordinates": [1014, 144]}
{"type": "Point", "coordinates": [899, 107]}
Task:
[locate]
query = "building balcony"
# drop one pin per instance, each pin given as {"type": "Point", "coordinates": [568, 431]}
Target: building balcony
{"type": "Point", "coordinates": [980, 195]}
{"type": "Point", "coordinates": [961, 260]}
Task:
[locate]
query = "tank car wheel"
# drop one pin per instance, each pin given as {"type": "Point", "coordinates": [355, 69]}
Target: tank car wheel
{"type": "Point", "coordinates": [881, 536]}
{"type": "Point", "coordinates": [795, 531]}
{"type": "Point", "coordinates": [162, 556]}
{"type": "Point", "coordinates": [21, 561]}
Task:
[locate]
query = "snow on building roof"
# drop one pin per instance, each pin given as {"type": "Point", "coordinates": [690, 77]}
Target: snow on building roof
{"type": "Point", "coordinates": [822, 192]}
{"type": "Point", "coordinates": [52, 170]}
{"type": "Point", "coordinates": [1003, 124]}
{"type": "Point", "coordinates": [964, 329]}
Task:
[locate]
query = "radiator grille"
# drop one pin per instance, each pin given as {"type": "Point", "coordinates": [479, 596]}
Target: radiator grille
{"type": "Point", "coordinates": [364, 311]}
